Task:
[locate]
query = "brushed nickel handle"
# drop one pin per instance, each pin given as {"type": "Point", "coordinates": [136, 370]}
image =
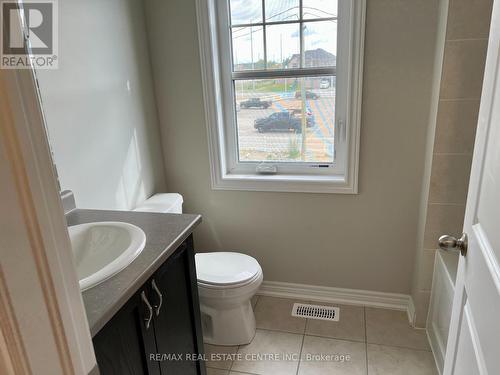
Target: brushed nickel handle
{"type": "Point", "coordinates": [150, 310]}
{"type": "Point", "coordinates": [450, 243]}
{"type": "Point", "coordinates": [160, 296]}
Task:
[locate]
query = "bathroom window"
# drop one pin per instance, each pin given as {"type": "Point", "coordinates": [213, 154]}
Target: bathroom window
{"type": "Point", "coordinates": [282, 89]}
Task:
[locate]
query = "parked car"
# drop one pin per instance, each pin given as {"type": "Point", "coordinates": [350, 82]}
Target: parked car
{"type": "Point", "coordinates": [324, 83]}
{"type": "Point", "coordinates": [297, 112]}
{"type": "Point", "coordinates": [309, 95]}
{"type": "Point", "coordinates": [282, 121]}
{"type": "Point", "coordinates": [255, 103]}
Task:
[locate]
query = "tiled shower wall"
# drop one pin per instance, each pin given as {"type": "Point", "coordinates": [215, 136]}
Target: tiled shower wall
{"type": "Point", "coordinates": [459, 96]}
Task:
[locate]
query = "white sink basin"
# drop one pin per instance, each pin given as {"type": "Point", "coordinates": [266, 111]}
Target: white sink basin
{"type": "Point", "coordinates": [103, 249]}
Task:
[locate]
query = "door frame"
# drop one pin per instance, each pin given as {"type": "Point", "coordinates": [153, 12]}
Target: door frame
{"type": "Point", "coordinates": [43, 325]}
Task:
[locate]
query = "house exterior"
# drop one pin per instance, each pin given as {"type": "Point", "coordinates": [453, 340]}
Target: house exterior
{"type": "Point", "coordinates": [313, 58]}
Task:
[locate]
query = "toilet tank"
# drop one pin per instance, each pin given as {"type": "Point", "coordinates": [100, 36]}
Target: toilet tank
{"type": "Point", "coordinates": [163, 202]}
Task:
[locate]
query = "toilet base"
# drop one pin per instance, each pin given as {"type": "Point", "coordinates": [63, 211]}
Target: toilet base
{"type": "Point", "coordinates": [234, 325]}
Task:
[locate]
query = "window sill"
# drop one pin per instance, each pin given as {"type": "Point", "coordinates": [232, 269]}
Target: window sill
{"type": "Point", "coordinates": [285, 183]}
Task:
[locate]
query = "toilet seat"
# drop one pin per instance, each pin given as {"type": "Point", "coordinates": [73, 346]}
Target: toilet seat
{"type": "Point", "coordinates": [226, 270]}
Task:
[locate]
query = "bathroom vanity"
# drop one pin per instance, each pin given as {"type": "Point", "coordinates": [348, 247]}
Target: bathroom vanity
{"type": "Point", "coordinates": [146, 318]}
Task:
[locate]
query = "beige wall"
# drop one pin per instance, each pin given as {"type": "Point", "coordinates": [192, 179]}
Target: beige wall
{"type": "Point", "coordinates": [364, 241]}
{"type": "Point", "coordinates": [452, 143]}
{"type": "Point", "coordinates": [100, 105]}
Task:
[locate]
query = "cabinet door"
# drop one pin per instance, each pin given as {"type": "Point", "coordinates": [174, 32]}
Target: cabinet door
{"type": "Point", "coordinates": [177, 326]}
{"type": "Point", "coordinates": [124, 345]}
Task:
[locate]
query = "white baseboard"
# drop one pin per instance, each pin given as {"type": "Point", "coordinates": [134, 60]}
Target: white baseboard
{"type": "Point", "coordinates": [337, 295]}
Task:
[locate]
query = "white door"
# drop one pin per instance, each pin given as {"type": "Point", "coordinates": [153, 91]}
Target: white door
{"type": "Point", "coordinates": [474, 338]}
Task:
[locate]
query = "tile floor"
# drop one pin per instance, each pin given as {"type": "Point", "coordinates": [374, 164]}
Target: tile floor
{"type": "Point", "coordinates": [366, 341]}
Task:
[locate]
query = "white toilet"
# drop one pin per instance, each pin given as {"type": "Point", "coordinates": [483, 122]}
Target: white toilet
{"type": "Point", "coordinates": [226, 283]}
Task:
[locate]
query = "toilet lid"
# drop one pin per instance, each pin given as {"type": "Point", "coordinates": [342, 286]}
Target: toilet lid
{"type": "Point", "coordinates": [225, 268]}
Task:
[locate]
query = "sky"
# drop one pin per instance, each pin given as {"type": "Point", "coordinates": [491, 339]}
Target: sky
{"type": "Point", "coordinates": [282, 40]}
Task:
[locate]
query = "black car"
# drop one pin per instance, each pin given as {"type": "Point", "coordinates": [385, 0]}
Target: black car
{"type": "Point", "coordinates": [255, 103]}
{"type": "Point", "coordinates": [281, 121]}
{"type": "Point", "coordinates": [309, 95]}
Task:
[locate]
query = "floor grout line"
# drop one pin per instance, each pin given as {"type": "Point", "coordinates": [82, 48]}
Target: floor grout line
{"type": "Point", "coordinates": [300, 355]}
{"type": "Point", "coordinates": [302, 346]}
{"type": "Point", "coordinates": [278, 330]}
{"type": "Point", "coordinates": [232, 362]}
{"type": "Point", "coordinates": [314, 335]}
{"type": "Point", "coordinates": [400, 347]}
{"type": "Point", "coordinates": [336, 338]}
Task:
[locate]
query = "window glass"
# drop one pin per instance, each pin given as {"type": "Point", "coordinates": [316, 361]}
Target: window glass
{"type": "Point", "coordinates": [248, 48]}
{"type": "Point", "coordinates": [270, 115]}
{"type": "Point", "coordinates": [320, 42]}
{"type": "Point", "coordinates": [283, 46]}
{"type": "Point", "coordinates": [282, 10]}
{"type": "Point", "coordinates": [280, 34]}
{"type": "Point", "coordinates": [272, 99]}
{"type": "Point", "coordinates": [319, 9]}
{"type": "Point", "coordinates": [284, 118]}
{"type": "Point", "coordinates": [245, 11]}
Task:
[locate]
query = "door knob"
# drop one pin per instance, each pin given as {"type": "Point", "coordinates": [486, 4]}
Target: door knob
{"type": "Point", "coordinates": [450, 243]}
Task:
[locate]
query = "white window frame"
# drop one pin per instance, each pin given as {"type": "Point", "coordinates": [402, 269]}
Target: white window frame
{"type": "Point", "coordinates": [229, 174]}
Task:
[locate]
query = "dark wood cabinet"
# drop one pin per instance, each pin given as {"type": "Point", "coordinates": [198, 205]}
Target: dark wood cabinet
{"type": "Point", "coordinates": [120, 346]}
{"type": "Point", "coordinates": [172, 341]}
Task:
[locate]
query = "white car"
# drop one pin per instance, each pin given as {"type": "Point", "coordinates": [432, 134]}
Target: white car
{"type": "Point", "coordinates": [324, 84]}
